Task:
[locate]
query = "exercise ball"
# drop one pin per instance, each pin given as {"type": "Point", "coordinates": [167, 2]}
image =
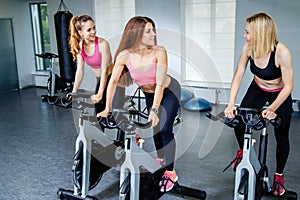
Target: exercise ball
{"type": "Point", "coordinates": [198, 104]}
{"type": "Point", "coordinates": [186, 95]}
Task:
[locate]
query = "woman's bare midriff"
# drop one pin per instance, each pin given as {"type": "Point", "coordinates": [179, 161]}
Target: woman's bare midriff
{"type": "Point", "coordinates": [150, 88]}
{"type": "Point", "coordinates": [269, 84]}
{"type": "Point", "coordinates": [99, 71]}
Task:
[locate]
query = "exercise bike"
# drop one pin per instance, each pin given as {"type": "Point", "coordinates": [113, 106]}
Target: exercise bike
{"type": "Point", "coordinates": [95, 153]}
{"type": "Point", "coordinates": [114, 154]}
{"type": "Point", "coordinates": [55, 85]}
{"type": "Point", "coordinates": [136, 102]}
{"type": "Point", "coordinates": [140, 173]}
{"type": "Point", "coordinates": [251, 177]}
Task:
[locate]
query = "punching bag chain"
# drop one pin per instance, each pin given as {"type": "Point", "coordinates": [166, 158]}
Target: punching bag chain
{"type": "Point", "coordinates": [62, 4]}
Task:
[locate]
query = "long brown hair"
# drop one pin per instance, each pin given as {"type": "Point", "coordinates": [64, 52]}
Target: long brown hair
{"type": "Point", "coordinates": [74, 27]}
{"type": "Point", "coordinates": [263, 33]}
{"type": "Point", "coordinates": [131, 38]}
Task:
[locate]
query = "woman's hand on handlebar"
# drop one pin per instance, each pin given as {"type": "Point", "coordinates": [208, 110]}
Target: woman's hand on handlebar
{"type": "Point", "coordinates": [96, 98]}
{"type": "Point", "coordinates": [104, 113]}
{"type": "Point", "coordinates": [70, 95]}
{"type": "Point", "coordinates": [269, 113]}
{"type": "Point", "coordinates": [154, 118]}
{"type": "Point", "coordinates": [230, 111]}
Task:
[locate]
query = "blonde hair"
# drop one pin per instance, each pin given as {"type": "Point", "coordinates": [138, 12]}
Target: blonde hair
{"type": "Point", "coordinates": [74, 27]}
{"type": "Point", "coordinates": [263, 33]}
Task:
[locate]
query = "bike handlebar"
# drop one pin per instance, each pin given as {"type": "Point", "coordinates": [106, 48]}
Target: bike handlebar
{"type": "Point", "coordinates": [251, 117]}
{"type": "Point", "coordinates": [118, 119]}
{"type": "Point", "coordinates": [80, 104]}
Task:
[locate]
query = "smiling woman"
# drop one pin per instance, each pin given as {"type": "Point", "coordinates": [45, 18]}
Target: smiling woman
{"type": "Point", "coordinates": [273, 82]}
{"type": "Point", "coordinates": [88, 48]}
{"type": "Point", "coordinates": [138, 57]}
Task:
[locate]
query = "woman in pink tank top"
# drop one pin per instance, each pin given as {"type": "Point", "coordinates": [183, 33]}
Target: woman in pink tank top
{"type": "Point", "coordinates": [87, 48]}
{"type": "Point", "coordinates": [147, 65]}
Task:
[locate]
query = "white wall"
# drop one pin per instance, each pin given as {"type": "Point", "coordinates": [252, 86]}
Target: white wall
{"type": "Point", "coordinates": [287, 15]}
{"type": "Point", "coordinates": [18, 11]}
{"type": "Point", "coordinates": [166, 14]}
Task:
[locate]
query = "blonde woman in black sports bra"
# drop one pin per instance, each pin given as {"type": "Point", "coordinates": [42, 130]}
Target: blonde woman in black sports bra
{"type": "Point", "coordinates": [273, 82]}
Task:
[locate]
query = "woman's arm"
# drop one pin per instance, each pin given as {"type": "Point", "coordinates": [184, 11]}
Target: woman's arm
{"type": "Point", "coordinates": [236, 81]}
{"type": "Point", "coordinates": [284, 60]}
{"type": "Point", "coordinates": [79, 73]}
{"type": "Point", "coordinates": [161, 74]}
{"type": "Point", "coordinates": [111, 88]}
{"type": "Point", "coordinates": [105, 64]}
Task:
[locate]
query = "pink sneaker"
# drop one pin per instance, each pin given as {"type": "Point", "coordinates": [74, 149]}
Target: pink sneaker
{"type": "Point", "coordinates": [137, 139]}
{"type": "Point", "coordinates": [168, 179]}
{"type": "Point", "coordinates": [236, 161]}
{"type": "Point", "coordinates": [278, 185]}
{"type": "Point", "coordinates": [159, 160]}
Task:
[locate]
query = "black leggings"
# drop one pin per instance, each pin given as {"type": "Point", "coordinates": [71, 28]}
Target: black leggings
{"type": "Point", "coordinates": [118, 100]}
{"type": "Point", "coordinates": [257, 98]}
{"type": "Point", "coordinates": [163, 133]}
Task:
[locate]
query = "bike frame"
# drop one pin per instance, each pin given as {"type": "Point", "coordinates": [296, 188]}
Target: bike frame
{"type": "Point", "coordinates": [135, 158]}
{"type": "Point", "coordinates": [251, 164]}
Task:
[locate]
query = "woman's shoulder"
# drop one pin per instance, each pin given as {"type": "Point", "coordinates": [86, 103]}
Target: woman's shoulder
{"type": "Point", "coordinates": [159, 50]}
{"type": "Point", "coordinates": [103, 45]}
{"type": "Point", "coordinates": [102, 41]}
{"type": "Point", "coordinates": [282, 51]}
{"type": "Point", "coordinates": [281, 47]}
{"type": "Point", "coordinates": [123, 55]}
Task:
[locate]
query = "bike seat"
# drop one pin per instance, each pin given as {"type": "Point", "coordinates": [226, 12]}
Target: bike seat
{"type": "Point", "coordinates": [47, 55]}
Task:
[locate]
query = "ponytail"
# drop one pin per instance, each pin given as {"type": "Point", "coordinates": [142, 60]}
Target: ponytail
{"type": "Point", "coordinates": [74, 27]}
{"type": "Point", "coordinates": [74, 37]}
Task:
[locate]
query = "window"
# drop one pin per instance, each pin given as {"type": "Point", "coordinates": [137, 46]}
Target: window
{"type": "Point", "coordinates": [211, 25]}
{"type": "Point", "coordinates": [111, 17]}
{"type": "Point", "coordinates": [41, 37]}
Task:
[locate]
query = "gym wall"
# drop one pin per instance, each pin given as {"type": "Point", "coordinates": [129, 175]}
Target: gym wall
{"type": "Point", "coordinates": [284, 12]}
{"type": "Point", "coordinates": [286, 15]}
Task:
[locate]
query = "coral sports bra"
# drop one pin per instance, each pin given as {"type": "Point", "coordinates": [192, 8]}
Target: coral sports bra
{"type": "Point", "coordinates": [94, 61]}
{"type": "Point", "coordinates": [143, 77]}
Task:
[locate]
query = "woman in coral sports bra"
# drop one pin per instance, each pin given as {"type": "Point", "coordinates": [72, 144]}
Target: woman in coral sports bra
{"type": "Point", "coordinates": [87, 48]}
{"type": "Point", "coordinates": [273, 82]}
{"type": "Point", "coordinates": [147, 65]}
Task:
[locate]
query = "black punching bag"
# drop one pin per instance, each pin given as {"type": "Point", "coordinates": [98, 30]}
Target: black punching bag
{"type": "Point", "coordinates": [66, 63]}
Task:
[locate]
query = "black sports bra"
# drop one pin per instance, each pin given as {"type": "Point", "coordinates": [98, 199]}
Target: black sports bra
{"type": "Point", "coordinates": [270, 72]}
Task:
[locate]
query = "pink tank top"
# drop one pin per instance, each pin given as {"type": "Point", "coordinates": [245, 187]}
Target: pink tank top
{"type": "Point", "coordinates": [143, 77]}
{"type": "Point", "coordinates": [94, 61]}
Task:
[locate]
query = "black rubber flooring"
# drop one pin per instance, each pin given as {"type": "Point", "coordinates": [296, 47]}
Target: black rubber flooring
{"type": "Point", "coordinates": [37, 148]}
